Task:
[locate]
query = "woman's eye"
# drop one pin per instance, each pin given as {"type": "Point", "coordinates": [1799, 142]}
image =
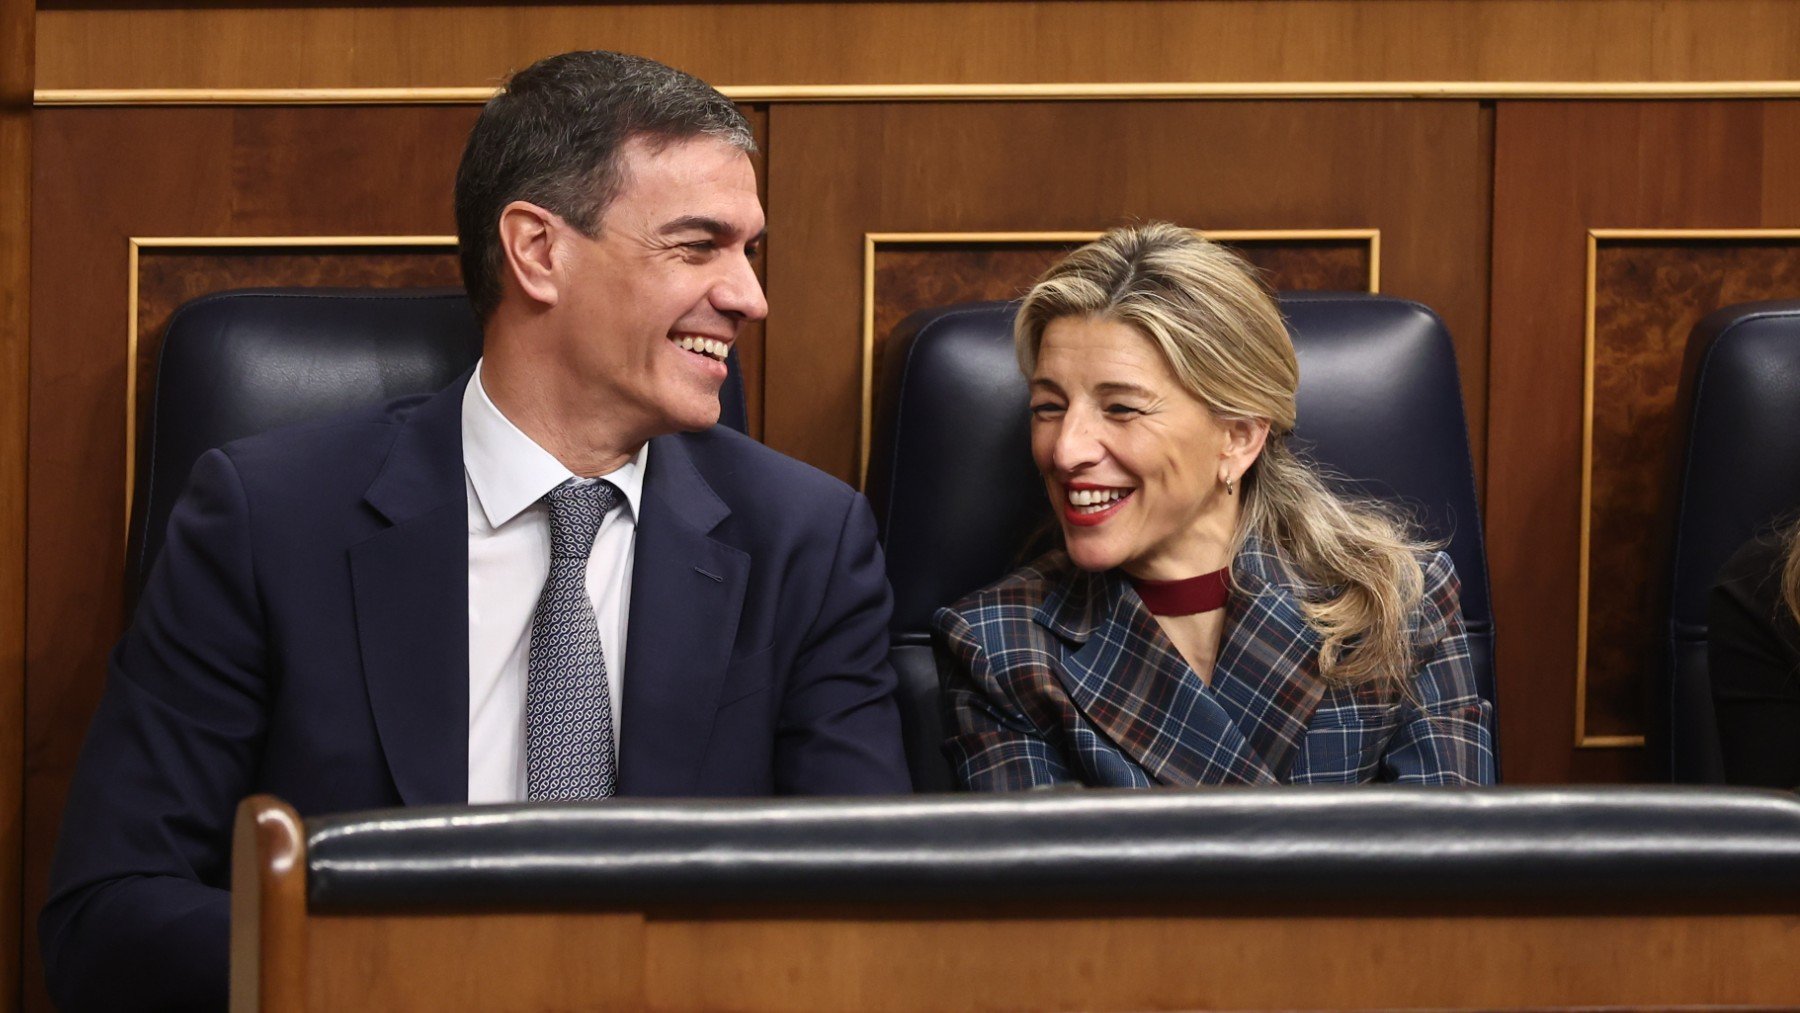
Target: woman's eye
{"type": "Point", "coordinates": [1120, 411]}
{"type": "Point", "coordinates": [1045, 408]}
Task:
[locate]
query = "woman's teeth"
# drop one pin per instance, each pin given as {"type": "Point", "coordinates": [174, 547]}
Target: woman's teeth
{"type": "Point", "coordinates": [1092, 501]}
{"type": "Point", "coordinates": [705, 346]}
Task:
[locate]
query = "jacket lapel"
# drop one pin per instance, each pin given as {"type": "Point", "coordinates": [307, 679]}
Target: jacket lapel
{"type": "Point", "coordinates": [687, 592]}
{"type": "Point", "coordinates": [1131, 683]}
{"type": "Point", "coordinates": [1268, 667]}
{"type": "Point", "coordinates": [411, 586]}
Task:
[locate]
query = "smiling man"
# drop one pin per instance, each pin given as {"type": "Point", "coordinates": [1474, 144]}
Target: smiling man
{"type": "Point", "coordinates": [557, 579]}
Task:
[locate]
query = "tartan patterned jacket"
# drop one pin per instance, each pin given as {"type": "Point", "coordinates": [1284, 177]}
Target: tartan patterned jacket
{"type": "Point", "coordinates": [1058, 676]}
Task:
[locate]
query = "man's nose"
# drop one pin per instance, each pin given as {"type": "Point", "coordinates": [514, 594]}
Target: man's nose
{"type": "Point", "coordinates": [739, 294]}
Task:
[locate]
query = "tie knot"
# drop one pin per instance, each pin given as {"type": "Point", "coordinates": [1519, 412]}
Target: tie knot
{"type": "Point", "coordinates": [576, 510]}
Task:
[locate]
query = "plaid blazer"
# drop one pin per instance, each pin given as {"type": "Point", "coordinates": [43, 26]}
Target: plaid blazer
{"type": "Point", "coordinates": [1056, 675]}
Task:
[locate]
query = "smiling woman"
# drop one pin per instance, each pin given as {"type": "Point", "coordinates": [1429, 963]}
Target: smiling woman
{"type": "Point", "coordinates": [1217, 613]}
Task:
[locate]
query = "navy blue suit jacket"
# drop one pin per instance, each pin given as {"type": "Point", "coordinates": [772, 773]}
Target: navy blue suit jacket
{"type": "Point", "coordinates": [305, 633]}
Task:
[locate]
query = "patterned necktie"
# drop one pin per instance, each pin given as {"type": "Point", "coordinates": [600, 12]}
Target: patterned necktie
{"type": "Point", "coordinates": [568, 708]}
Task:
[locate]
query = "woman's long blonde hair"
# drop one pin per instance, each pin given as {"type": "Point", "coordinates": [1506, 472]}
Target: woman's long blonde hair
{"type": "Point", "coordinates": [1201, 305]}
{"type": "Point", "coordinates": [1790, 573]}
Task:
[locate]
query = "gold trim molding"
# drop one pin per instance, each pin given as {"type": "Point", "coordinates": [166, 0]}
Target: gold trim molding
{"type": "Point", "coordinates": [1594, 238]}
{"type": "Point", "coordinates": [873, 241]}
{"type": "Point", "coordinates": [137, 244]}
{"type": "Point", "coordinates": [1041, 92]}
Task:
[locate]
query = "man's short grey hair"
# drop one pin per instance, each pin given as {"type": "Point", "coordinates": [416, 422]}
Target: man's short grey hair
{"type": "Point", "coordinates": [553, 138]}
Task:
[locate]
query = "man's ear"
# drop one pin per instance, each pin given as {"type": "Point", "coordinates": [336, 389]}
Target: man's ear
{"type": "Point", "coordinates": [528, 237]}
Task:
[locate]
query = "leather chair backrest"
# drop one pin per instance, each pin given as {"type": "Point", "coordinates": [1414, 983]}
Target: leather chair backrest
{"type": "Point", "coordinates": [1639, 846]}
{"type": "Point", "coordinates": [957, 496]}
{"type": "Point", "coordinates": [234, 364]}
{"type": "Point", "coordinates": [1740, 476]}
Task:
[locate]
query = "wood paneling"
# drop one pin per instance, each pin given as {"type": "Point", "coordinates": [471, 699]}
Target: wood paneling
{"type": "Point", "coordinates": [101, 177]}
{"type": "Point", "coordinates": [839, 172]}
{"type": "Point", "coordinates": [1560, 170]}
{"type": "Point", "coordinates": [1648, 297]}
{"type": "Point", "coordinates": [17, 34]}
{"type": "Point", "coordinates": [1222, 962]}
{"type": "Point", "coordinates": [830, 43]}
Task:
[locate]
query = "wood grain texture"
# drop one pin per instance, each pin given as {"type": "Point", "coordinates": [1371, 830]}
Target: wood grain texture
{"type": "Point", "coordinates": [979, 42]}
{"type": "Point", "coordinates": [268, 907]}
{"type": "Point", "coordinates": [916, 276]}
{"type": "Point", "coordinates": [1648, 297]}
{"type": "Point", "coordinates": [1561, 169]}
{"type": "Point", "coordinates": [17, 41]}
{"type": "Point", "coordinates": [494, 962]}
{"type": "Point", "coordinates": [1220, 962]}
{"type": "Point", "coordinates": [839, 172]}
{"type": "Point", "coordinates": [1168, 959]}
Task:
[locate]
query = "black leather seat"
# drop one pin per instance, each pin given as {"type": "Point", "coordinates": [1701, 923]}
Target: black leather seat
{"type": "Point", "coordinates": [957, 496]}
{"type": "Point", "coordinates": [234, 364]}
{"type": "Point", "coordinates": [1741, 474]}
{"type": "Point", "coordinates": [1361, 848]}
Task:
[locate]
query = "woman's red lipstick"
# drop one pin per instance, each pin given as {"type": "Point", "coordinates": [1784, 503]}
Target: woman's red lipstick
{"type": "Point", "coordinates": [1073, 515]}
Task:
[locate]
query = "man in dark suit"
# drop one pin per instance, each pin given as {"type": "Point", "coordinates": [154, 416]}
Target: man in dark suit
{"type": "Point", "coordinates": [434, 601]}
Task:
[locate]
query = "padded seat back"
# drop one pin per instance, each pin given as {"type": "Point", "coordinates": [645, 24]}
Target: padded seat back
{"type": "Point", "coordinates": [1740, 476]}
{"type": "Point", "coordinates": [958, 498]}
{"type": "Point", "coordinates": [234, 364]}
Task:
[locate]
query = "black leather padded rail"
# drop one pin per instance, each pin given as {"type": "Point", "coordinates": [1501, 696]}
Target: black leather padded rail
{"type": "Point", "coordinates": [234, 364]}
{"type": "Point", "coordinates": [958, 498]}
{"type": "Point", "coordinates": [1655, 845]}
{"type": "Point", "coordinates": [1740, 476]}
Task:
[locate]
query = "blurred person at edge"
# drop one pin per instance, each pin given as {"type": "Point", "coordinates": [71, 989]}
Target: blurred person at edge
{"type": "Point", "coordinates": [431, 601]}
{"type": "Point", "coordinates": [1216, 615]}
{"type": "Point", "coordinates": [1753, 660]}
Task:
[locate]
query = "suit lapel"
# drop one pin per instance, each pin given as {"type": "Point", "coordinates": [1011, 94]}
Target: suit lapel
{"type": "Point", "coordinates": [1268, 667]}
{"type": "Point", "coordinates": [1131, 683]}
{"type": "Point", "coordinates": [411, 586]}
{"type": "Point", "coordinates": [687, 592]}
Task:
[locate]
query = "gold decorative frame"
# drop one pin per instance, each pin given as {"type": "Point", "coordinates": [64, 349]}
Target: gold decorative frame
{"type": "Point", "coordinates": [1594, 238]}
{"type": "Point", "coordinates": [137, 244]}
{"type": "Point", "coordinates": [945, 92]}
{"type": "Point", "coordinates": [873, 241]}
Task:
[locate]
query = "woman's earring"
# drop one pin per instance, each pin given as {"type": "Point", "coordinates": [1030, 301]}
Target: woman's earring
{"type": "Point", "coordinates": [1230, 484]}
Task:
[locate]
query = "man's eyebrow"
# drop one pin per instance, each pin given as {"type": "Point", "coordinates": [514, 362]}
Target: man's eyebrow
{"type": "Point", "coordinates": [711, 226]}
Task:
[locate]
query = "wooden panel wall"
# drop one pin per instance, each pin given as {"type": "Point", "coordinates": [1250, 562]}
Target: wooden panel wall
{"type": "Point", "coordinates": [837, 172]}
{"type": "Point", "coordinates": [915, 43]}
{"type": "Point", "coordinates": [104, 176]}
{"type": "Point", "coordinates": [1561, 170]}
{"type": "Point", "coordinates": [17, 35]}
{"type": "Point", "coordinates": [1483, 201]}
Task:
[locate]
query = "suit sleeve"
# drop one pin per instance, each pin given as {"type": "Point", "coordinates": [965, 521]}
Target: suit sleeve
{"type": "Point", "coordinates": [138, 912]}
{"type": "Point", "coordinates": [993, 744]}
{"type": "Point", "coordinates": [839, 730]}
{"type": "Point", "coordinates": [1446, 737]}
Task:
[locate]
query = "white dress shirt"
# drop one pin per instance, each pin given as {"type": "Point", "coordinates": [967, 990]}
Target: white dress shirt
{"type": "Point", "coordinates": [509, 558]}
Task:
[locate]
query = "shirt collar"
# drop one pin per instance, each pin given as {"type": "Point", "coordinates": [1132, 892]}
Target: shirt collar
{"type": "Point", "coordinates": [510, 472]}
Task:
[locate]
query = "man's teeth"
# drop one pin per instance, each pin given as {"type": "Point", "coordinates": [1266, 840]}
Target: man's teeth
{"type": "Point", "coordinates": [1095, 500]}
{"type": "Point", "coordinates": [705, 346]}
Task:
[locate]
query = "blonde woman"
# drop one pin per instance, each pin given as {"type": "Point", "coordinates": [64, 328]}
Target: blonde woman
{"type": "Point", "coordinates": [1217, 614]}
{"type": "Point", "coordinates": [1753, 661]}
